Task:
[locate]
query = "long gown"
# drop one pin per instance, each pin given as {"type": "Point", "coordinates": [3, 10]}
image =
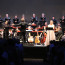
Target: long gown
{"type": "Point", "coordinates": [50, 35]}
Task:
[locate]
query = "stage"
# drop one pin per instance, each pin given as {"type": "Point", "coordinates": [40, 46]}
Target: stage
{"type": "Point", "coordinates": [35, 51]}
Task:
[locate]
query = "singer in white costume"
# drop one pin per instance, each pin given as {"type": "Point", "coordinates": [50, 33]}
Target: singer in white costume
{"type": "Point", "coordinates": [50, 34]}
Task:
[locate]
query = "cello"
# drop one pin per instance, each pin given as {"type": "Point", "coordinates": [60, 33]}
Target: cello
{"type": "Point", "coordinates": [43, 37]}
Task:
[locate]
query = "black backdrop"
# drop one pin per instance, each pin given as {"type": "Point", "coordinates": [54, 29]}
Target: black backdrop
{"type": "Point", "coordinates": [28, 7]}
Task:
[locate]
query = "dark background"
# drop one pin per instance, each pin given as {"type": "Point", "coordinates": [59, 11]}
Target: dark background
{"type": "Point", "coordinates": [28, 7]}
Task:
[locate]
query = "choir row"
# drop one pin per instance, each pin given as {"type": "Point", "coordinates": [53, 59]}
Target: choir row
{"type": "Point", "coordinates": [34, 19]}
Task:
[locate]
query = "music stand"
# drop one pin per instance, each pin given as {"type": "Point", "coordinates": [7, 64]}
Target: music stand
{"type": "Point", "coordinates": [49, 28]}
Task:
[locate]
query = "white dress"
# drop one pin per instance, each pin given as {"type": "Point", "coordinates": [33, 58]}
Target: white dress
{"type": "Point", "coordinates": [50, 35]}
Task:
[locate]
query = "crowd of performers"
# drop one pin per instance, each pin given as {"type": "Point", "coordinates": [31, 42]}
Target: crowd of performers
{"type": "Point", "coordinates": [34, 31]}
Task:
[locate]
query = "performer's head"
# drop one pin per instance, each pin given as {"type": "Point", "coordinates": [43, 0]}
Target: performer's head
{"type": "Point", "coordinates": [58, 24]}
{"type": "Point", "coordinates": [63, 17]}
{"type": "Point", "coordinates": [45, 23]}
{"type": "Point", "coordinates": [51, 22]}
{"type": "Point", "coordinates": [29, 28]}
{"type": "Point", "coordinates": [43, 15]}
{"type": "Point", "coordinates": [6, 15]}
{"type": "Point", "coordinates": [15, 16]}
{"type": "Point", "coordinates": [53, 17]}
{"type": "Point", "coordinates": [34, 15]}
{"type": "Point", "coordinates": [23, 16]}
{"type": "Point", "coordinates": [39, 26]}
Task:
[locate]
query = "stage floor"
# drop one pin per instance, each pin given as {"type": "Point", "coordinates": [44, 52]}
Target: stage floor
{"type": "Point", "coordinates": [33, 45]}
{"type": "Point", "coordinates": [34, 62]}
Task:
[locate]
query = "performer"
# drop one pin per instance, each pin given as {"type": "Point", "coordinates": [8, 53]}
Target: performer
{"type": "Point", "coordinates": [16, 20]}
{"type": "Point", "coordinates": [22, 18]}
{"type": "Point", "coordinates": [23, 30]}
{"type": "Point", "coordinates": [46, 25]}
{"type": "Point", "coordinates": [58, 32]}
{"type": "Point", "coordinates": [1, 21]}
{"type": "Point", "coordinates": [50, 34]}
{"type": "Point", "coordinates": [63, 37]}
{"type": "Point", "coordinates": [42, 20]}
{"type": "Point", "coordinates": [62, 21]}
{"type": "Point", "coordinates": [58, 28]}
{"type": "Point", "coordinates": [22, 21]}
{"type": "Point", "coordinates": [7, 20]}
{"type": "Point", "coordinates": [54, 21]}
{"type": "Point", "coordinates": [34, 19]}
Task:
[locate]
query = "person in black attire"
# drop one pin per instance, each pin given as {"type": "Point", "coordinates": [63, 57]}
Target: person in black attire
{"type": "Point", "coordinates": [42, 20]}
{"type": "Point", "coordinates": [16, 20]}
{"type": "Point", "coordinates": [62, 21]}
{"type": "Point", "coordinates": [1, 21]}
{"type": "Point", "coordinates": [7, 20]}
{"type": "Point", "coordinates": [23, 30]}
{"type": "Point", "coordinates": [54, 21]}
{"type": "Point", "coordinates": [34, 19]}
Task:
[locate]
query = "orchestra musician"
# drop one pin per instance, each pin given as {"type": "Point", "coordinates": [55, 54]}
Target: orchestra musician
{"type": "Point", "coordinates": [58, 32]}
{"type": "Point", "coordinates": [62, 22]}
{"type": "Point", "coordinates": [16, 20]}
{"type": "Point", "coordinates": [34, 19]}
{"type": "Point", "coordinates": [22, 21]}
{"type": "Point", "coordinates": [46, 25]}
{"type": "Point", "coordinates": [63, 37]}
{"type": "Point", "coordinates": [58, 28]}
{"type": "Point", "coordinates": [50, 34]}
{"type": "Point", "coordinates": [42, 20]}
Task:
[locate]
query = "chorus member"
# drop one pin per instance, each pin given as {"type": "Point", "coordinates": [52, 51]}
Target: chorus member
{"type": "Point", "coordinates": [34, 19]}
{"type": "Point", "coordinates": [22, 18]}
{"type": "Point", "coordinates": [54, 21]}
{"type": "Point", "coordinates": [62, 21]}
{"type": "Point", "coordinates": [7, 20]}
{"type": "Point", "coordinates": [50, 34]}
{"type": "Point", "coordinates": [16, 20]}
{"type": "Point", "coordinates": [1, 20]}
{"type": "Point", "coordinates": [42, 20]}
